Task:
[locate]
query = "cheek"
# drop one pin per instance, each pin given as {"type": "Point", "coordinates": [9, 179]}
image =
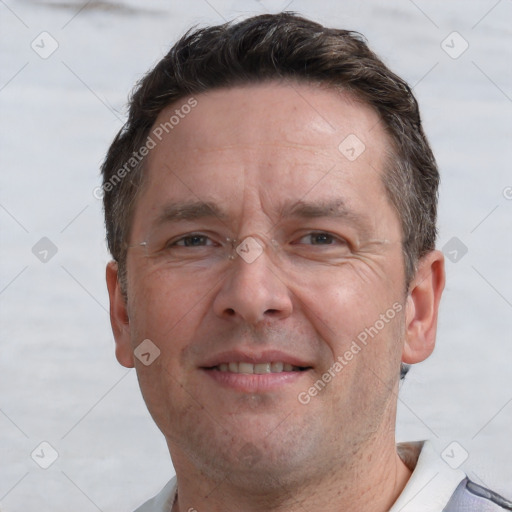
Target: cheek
{"type": "Point", "coordinates": [360, 321]}
{"type": "Point", "coordinates": [166, 308]}
{"type": "Point", "coordinates": [341, 302]}
{"type": "Point", "coordinates": [167, 312]}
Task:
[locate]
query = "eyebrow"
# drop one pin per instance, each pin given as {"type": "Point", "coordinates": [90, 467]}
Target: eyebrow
{"type": "Point", "coordinates": [193, 210]}
{"type": "Point", "coordinates": [174, 212]}
{"type": "Point", "coordinates": [308, 210]}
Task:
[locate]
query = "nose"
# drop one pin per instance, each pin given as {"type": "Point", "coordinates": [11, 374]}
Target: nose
{"type": "Point", "coordinates": [253, 290]}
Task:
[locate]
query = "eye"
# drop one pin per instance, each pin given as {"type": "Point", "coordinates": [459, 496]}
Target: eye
{"type": "Point", "coordinates": [192, 240]}
{"type": "Point", "coordinates": [322, 238]}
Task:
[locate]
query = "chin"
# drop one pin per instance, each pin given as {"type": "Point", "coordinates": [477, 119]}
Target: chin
{"type": "Point", "coordinates": [252, 459]}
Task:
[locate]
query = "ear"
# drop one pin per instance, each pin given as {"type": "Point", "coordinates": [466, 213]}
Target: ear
{"type": "Point", "coordinates": [422, 308]}
{"type": "Point", "coordinates": [119, 317]}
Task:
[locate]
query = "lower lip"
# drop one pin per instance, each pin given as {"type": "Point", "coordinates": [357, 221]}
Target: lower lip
{"type": "Point", "coordinates": [254, 383]}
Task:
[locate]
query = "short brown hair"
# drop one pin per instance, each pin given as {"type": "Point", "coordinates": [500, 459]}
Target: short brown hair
{"type": "Point", "coordinates": [279, 47]}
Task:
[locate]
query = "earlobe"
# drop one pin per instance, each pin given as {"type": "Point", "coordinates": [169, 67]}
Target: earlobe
{"type": "Point", "coordinates": [422, 308]}
{"type": "Point", "coordinates": [119, 317]}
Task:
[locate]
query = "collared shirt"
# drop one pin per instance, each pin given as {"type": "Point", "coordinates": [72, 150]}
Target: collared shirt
{"type": "Point", "coordinates": [434, 486]}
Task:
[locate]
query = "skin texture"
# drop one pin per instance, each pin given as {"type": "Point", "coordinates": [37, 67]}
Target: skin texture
{"type": "Point", "coordinates": [251, 150]}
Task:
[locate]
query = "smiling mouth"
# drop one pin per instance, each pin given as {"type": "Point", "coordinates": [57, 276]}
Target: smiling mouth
{"type": "Point", "coordinates": [257, 368]}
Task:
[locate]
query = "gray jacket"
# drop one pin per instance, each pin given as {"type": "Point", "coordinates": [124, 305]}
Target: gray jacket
{"type": "Point", "coordinates": [471, 497]}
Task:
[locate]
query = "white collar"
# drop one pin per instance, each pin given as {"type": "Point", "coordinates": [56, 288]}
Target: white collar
{"type": "Point", "coordinates": [432, 482]}
{"type": "Point", "coordinates": [163, 501]}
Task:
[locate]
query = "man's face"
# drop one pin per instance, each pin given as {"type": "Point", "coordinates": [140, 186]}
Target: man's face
{"type": "Point", "coordinates": [268, 158]}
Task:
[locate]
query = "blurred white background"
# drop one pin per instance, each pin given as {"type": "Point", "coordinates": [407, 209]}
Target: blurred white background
{"type": "Point", "coordinates": [59, 380]}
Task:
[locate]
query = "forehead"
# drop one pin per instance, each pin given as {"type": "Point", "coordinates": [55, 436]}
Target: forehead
{"type": "Point", "coordinates": [309, 116]}
{"type": "Point", "coordinates": [269, 140]}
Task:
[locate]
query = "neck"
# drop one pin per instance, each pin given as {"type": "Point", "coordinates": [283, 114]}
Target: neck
{"type": "Point", "coordinates": [371, 481]}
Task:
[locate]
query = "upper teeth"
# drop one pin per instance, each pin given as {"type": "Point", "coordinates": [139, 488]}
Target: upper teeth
{"type": "Point", "coordinates": [257, 368]}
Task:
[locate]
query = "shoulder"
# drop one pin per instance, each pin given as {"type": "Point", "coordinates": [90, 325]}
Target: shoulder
{"type": "Point", "coordinates": [436, 486]}
{"type": "Point", "coordinates": [471, 497]}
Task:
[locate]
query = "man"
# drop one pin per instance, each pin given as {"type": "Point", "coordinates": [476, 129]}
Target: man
{"type": "Point", "coordinates": [271, 211]}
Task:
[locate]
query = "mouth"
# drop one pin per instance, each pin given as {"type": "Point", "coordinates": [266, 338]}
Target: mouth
{"type": "Point", "coordinates": [245, 372]}
{"type": "Point", "coordinates": [257, 368]}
